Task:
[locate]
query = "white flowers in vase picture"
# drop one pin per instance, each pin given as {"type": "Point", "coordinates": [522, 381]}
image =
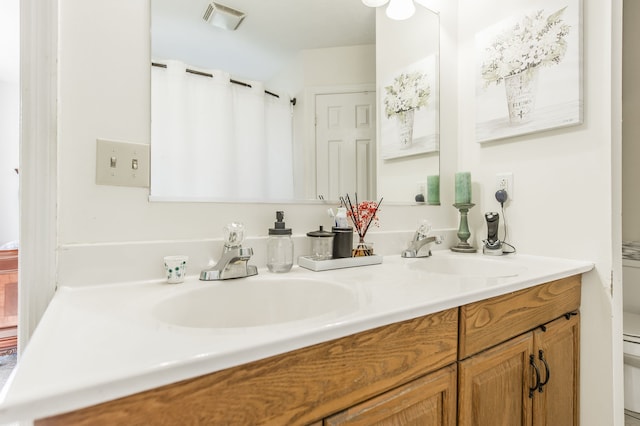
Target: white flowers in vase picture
{"type": "Point", "coordinates": [410, 119]}
{"type": "Point", "coordinates": [529, 72]}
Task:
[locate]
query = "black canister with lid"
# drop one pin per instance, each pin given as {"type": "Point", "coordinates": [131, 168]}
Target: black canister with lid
{"type": "Point", "coordinates": [342, 242]}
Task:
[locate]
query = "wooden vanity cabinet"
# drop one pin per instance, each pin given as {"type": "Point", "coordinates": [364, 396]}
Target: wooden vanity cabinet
{"type": "Point", "coordinates": [470, 365]}
{"type": "Point", "coordinates": [530, 379]}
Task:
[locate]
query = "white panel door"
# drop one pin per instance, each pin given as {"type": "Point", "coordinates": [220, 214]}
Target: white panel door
{"type": "Point", "coordinates": [345, 145]}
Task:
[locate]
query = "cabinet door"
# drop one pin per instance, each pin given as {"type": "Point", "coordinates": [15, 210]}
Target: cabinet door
{"type": "Point", "coordinates": [494, 386]}
{"type": "Point", "coordinates": [429, 400]}
{"type": "Point", "coordinates": [558, 344]}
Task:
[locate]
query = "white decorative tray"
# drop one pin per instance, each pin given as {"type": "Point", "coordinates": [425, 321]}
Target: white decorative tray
{"type": "Point", "coordinates": [347, 262]}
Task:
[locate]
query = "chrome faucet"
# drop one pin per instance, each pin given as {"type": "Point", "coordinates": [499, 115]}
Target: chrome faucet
{"type": "Point", "coordinates": [234, 260]}
{"type": "Point", "coordinates": [420, 245]}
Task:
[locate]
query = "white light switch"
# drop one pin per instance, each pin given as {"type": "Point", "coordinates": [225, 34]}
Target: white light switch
{"type": "Point", "coordinates": [122, 163]}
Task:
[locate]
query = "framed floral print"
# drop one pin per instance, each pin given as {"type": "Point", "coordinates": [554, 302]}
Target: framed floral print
{"type": "Point", "coordinates": [529, 72]}
{"type": "Point", "coordinates": [409, 99]}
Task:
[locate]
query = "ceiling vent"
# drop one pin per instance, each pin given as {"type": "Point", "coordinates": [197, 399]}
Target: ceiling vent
{"type": "Point", "coordinates": [222, 16]}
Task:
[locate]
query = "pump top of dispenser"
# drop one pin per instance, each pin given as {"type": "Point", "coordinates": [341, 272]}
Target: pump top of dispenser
{"type": "Point", "coordinates": [279, 227]}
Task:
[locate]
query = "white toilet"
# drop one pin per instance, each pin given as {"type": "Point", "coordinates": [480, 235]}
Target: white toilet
{"type": "Point", "coordinates": [631, 347]}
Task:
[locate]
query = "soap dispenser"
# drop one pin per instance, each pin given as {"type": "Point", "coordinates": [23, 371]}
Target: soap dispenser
{"type": "Point", "coordinates": [279, 246]}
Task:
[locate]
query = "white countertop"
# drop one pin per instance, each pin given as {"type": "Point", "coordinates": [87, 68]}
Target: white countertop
{"type": "Point", "coordinates": [99, 343]}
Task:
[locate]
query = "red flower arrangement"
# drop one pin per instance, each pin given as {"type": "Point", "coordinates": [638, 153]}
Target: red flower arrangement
{"type": "Point", "coordinates": [362, 215]}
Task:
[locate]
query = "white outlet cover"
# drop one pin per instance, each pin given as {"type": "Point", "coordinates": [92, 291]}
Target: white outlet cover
{"type": "Point", "coordinates": [122, 163]}
{"type": "Point", "coordinates": [508, 177]}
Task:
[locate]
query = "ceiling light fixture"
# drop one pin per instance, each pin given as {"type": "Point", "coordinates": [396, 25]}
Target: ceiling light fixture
{"type": "Point", "coordinates": [397, 9]}
{"type": "Point", "coordinates": [223, 16]}
{"type": "Point", "coordinates": [374, 3]}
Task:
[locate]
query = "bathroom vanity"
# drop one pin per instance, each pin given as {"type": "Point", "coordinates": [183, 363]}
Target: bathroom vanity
{"type": "Point", "coordinates": [419, 346]}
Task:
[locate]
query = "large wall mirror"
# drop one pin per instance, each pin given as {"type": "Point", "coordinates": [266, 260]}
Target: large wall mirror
{"type": "Point", "coordinates": [290, 105]}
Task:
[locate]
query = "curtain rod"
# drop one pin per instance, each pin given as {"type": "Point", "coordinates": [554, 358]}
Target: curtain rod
{"type": "Point", "coordinates": [204, 74]}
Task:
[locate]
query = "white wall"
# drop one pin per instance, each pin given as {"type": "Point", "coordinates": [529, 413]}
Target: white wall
{"type": "Point", "coordinates": [564, 204]}
{"type": "Point", "coordinates": [332, 66]}
{"type": "Point", "coordinates": [9, 147]}
{"type": "Point", "coordinates": [9, 119]}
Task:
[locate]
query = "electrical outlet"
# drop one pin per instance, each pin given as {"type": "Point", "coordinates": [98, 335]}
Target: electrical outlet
{"type": "Point", "coordinates": [421, 188]}
{"type": "Point", "coordinates": [505, 181]}
{"type": "Point", "coordinates": [421, 192]}
{"type": "Point", "coordinates": [122, 163]}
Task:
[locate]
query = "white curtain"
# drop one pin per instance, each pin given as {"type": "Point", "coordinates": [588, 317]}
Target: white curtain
{"type": "Point", "coordinates": [213, 139]}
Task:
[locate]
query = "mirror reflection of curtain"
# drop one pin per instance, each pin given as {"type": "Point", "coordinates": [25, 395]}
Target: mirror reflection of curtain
{"type": "Point", "coordinates": [203, 129]}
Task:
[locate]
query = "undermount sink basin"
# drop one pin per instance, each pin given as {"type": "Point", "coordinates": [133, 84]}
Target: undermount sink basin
{"type": "Point", "coordinates": [483, 267]}
{"type": "Point", "coordinates": [252, 303]}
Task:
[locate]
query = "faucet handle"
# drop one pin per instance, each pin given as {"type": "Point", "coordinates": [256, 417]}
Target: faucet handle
{"type": "Point", "coordinates": [424, 227]}
{"type": "Point", "coordinates": [423, 230]}
{"type": "Point", "coordinates": [233, 235]}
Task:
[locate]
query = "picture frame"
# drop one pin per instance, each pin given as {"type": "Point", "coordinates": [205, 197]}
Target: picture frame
{"type": "Point", "coordinates": [528, 72]}
{"type": "Point", "coordinates": [409, 100]}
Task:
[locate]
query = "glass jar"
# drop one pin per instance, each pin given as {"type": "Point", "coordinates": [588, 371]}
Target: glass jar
{"type": "Point", "coordinates": [279, 253]}
{"type": "Point", "coordinates": [279, 246]}
{"type": "Point", "coordinates": [321, 244]}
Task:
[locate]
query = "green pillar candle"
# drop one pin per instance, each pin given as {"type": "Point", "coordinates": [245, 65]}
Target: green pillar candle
{"type": "Point", "coordinates": [433, 189]}
{"type": "Point", "coordinates": [463, 188]}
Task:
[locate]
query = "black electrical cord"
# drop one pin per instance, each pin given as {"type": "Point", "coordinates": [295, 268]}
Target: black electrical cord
{"type": "Point", "coordinates": [502, 196]}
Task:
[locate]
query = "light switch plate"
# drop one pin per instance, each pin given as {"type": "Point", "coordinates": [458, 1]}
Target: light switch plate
{"type": "Point", "coordinates": [122, 163]}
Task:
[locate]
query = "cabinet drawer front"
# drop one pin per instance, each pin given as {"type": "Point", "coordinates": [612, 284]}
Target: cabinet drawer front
{"type": "Point", "coordinates": [427, 401]}
{"type": "Point", "coordinates": [297, 387]}
{"type": "Point", "coordinates": [488, 322]}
